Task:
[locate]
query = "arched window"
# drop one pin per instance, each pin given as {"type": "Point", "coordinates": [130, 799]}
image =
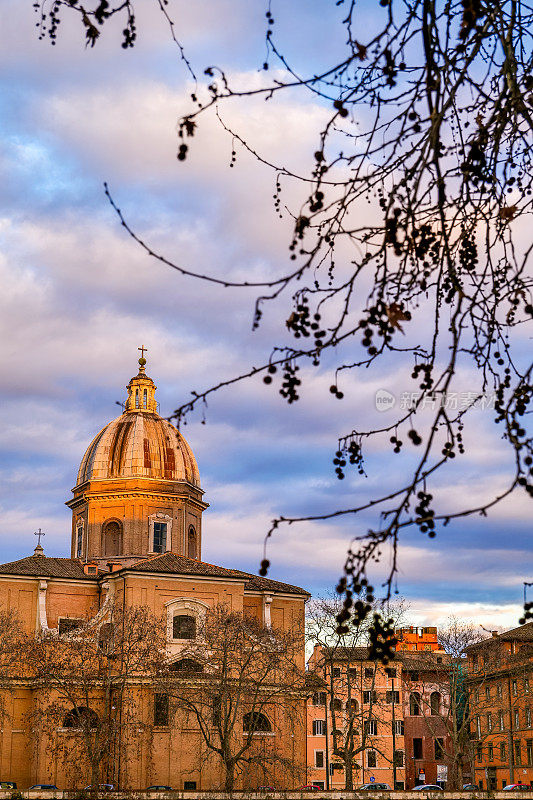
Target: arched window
{"type": "Point", "coordinates": [183, 627]}
{"type": "Point", "coordinates": [414, 704]}
{"type": "Point", "coordinates": [191, 543]}
{"type": "Point", "coordinates": [145, 398]}
{"type": "Point", "coordinates": [434, 702]}
{"type": "Point", "coordinates": [186, 665]}
{"type": "Point", "coordinates": [336, 704]}
{"type": "Point", "coordinates": [255, 722]}
{"type": "Point", "coordinates": [112, 535]}
{"type": "Point", "coordinates": [352, 706]}
{"type": "Point", "coordinates": [136, 398]}
{"type": "Point", "coordinates": [81, 717]}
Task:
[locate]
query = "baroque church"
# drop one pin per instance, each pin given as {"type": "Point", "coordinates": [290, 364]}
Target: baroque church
{"type": "Point", "coordinates": [136, 534]}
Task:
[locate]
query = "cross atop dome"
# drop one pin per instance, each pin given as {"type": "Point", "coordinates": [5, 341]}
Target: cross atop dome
{"type": "Point", "coordinates": [142, 360]}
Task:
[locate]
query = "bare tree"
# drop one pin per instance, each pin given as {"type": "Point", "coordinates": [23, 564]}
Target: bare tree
{"type": "Point", "coordinates": [351, 718]}
{"type": "Point", "coordinates": [88, 683]}
{"type": "Point", "coordinates": [457, 635]}
{"type": "Point", "coordinates": [13, 640]}
{"type": "Point", "coordinates": [431, 119]}
{"type": "Point", "coordinates": [242, 685]}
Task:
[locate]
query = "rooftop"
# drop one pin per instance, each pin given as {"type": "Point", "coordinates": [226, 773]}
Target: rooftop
{"type": "Point", "coordinates": [41, 566]}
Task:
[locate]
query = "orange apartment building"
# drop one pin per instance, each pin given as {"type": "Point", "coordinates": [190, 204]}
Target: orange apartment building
{"type": "Point", "coordinates": [137, 536]}
{"type": "Point", "coordinates": [500, 686]}
{"type": "Point", "coordinates": [389, 707]}
{"type": "Point", "coordinates": [369, 696]}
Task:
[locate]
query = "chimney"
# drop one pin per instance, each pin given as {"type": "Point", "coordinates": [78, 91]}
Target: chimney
{"type": "Point", "coordinates": [113, 566]}
{"type": "Point", "coordinates": [494, 634]}
{"type": "Point", "coordinates": [91, 568]}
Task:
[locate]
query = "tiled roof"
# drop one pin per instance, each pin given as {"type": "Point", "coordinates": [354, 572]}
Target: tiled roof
{"type": "Point", "coordinates": [181, 565]}
{"type": "Point", "coordinates": [522, 634]}
{"type": "Point", "coordinates": [425, 662]}
{"type": "Point", "coordinates": [43, 566]}
{"type": "Point", "coordinates": [348, 653]}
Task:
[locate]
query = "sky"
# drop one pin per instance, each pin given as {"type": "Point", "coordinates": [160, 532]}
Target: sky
{"type": "Point", "coordinates": [79, 297]}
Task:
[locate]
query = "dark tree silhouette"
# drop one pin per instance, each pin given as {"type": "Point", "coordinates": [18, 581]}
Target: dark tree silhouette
{"type": "Point", "coordinates": [431, 118]}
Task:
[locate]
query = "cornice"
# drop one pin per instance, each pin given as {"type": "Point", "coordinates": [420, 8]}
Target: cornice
{"type": "Point", "coordinates": [128, 494]}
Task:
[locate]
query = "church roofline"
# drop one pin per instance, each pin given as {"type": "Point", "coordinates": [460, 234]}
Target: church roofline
{"type": "Point", "coordinates": [47, 567]}
{"type": "Point", "coordinates": [169, 564]}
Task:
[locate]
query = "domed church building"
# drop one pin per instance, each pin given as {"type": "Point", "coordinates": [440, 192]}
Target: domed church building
{"type": "Point", "coordinates": [137, 535]}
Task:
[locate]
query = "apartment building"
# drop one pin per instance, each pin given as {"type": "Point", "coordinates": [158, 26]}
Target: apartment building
{"type": "Point", "coordinates": [500, 686]}
{"type": "Point", "coordinates": [356, 718]}
{"type": "Point", "coordinates": [390, 721]}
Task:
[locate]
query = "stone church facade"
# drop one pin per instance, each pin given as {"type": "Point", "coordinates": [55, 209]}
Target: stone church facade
{"type": "Point", "coordinates": [136, 536]}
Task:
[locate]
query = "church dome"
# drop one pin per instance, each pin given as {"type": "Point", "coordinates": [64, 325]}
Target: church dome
{"type": "Point", "coordinates": [139, 443]}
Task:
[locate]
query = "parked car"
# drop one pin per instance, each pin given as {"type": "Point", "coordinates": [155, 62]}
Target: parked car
{"type": "Point", "coordinates": [470, 787]}
{"type": "Point", "coordinates": [517, 787]}
{"type": "Point", "coordinates": [9, 785]}
{"type": "Point", "coordinates": [159, 789]}
{"type": "Point", "coordinates": [102, 787]}
{"type": "Point", "coordinates": [378, 787]}
{"type": "Point", "coordinates": [428, 787]}
{"type": "Point", "coordinates": [310, 787]}
{"type": "Point", "coordinates": [45, 787]}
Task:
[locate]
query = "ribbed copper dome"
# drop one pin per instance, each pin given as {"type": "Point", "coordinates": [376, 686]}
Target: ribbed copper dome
{"type": "Point", "coordinates": [139, 443]}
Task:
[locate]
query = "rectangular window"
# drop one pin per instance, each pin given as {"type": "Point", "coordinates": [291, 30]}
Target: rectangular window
{"type": "Point", "coordinates": [160, 537]}
{"type": "Point", "coordinates": [336, 672]}
{"type": "Point", "coordinates": [501, 720]}
{"type": "Point", "coordinates": [398, 758]}
{"type": "Point", "coordinates": [414, 676]}
{"type": "Point", "coordinates": [478, 726]}
{"type": "Point", "coordinates": [499, 691]}
{"type": "Point", "coordinates": [352, 672]}
{"type": "Point", "coordinates": [526, 685]}
{"type": "Point", "coordinates": [371, 727]}
{"type": "Point", "coordinates": [161, 709]}
{"type": "Point", "coordinates": [489, 722]}
{"type": "Point", "coordinates": [369, 672]}
{"type": "Point", "coordinates": [516, 720]}
{"type": "Point", "coordinates": [371, 759]}
{"type": "Point", "coordinates": [491, 752]}
{"type": "Point", "coordinates": [79, 541]}
{"type": "Point", "coordinates": [417, 748]}
{"type": "Point", "coordinates": [369, 696]}
{"type": "Point", "coordinates": [528, 718]}
{"type": "Point", "coordinates": [319, 727]}
{"type": "Point", "coordinates": [66, 625]}
{"type": "Point", "coordinates": [439, 748]}
{"type": "Point", "coordinates": [487, 692]}
{"type": "Point", "coordinates": [390, 672]}
{"type": "Point", "coordinates": [529, 752]}
{"type": "Point", "coordinates": [392, 696]}
{"type": "Point", "coordinates": [517, 753]}
{"type": "Point", "coordinates": [479, 752]}
{"type": "Point", "coordinates": [503, 752]}
{"type": "Point", "coordinates": [319, 699]}
{"type": "Point", "coordinates": [319, 758]}
{"type": "Point", "coordinates": [189, 786]}
{"type": "Point", "coordinates": [475, 664]}
{"type": "Point", "coordinates": [398, 727]}
{"type": "Point", "coordinates": [183, 627]}
{"type": "Point", "coordinates": [514, 687]}
{"type": "Point", "coordinates": [476, 694]}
